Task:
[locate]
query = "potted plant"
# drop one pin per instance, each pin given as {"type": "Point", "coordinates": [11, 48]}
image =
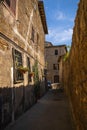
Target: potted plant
{"type": "Point", "coordinates": [23, 69]}
{"type": "Point", "coordinates": [31, 74]}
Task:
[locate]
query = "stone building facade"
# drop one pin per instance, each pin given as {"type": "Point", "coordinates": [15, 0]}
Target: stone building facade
{"type": "Point", "coordinates": [22, 38]}
{"type": "Point", "coordinates": [54, 68]}
{"type": "Point", "coordinates": [75, 67]}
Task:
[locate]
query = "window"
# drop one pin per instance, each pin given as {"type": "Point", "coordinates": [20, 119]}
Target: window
{"type": "Point", "coordinates": [56, 78]}
{"type": "Point", "coordinates": [58, 66]}
{"type": "Point", "coordinates": [17, 61]}
{"type": "Point", "coordinates": [7, 2]}
{"type": "Point", "coordinates": [56, 52]}
{"type": "Point", "coordinates": [32, 34]}
{"type": "Point", "coordinates": [11, 4]}
{"type": "Point", "coordinates": [28, 65]}
{"type": "Point", "coordinates": [54, 66]}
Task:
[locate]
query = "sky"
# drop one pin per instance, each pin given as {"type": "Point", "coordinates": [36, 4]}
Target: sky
{"type": "Point", "coordinates": [60, 16]}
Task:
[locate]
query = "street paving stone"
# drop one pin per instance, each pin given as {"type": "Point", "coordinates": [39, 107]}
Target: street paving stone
{"type": "Point", "coordinates": [51, 112]}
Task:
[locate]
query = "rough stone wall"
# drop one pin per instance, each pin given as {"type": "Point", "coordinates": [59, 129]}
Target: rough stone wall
{"type": "Point", "coordinates": [75, 68]}
{"type": "Point", "coordinates": [61, 71]}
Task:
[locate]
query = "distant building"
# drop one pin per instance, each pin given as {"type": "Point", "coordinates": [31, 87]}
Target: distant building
{"type": "Point", "coordinates": [61, 70]}
{"type": "Point", "coordinates": [53, 64]}
{"type": "Point", "coordinates": [47, 44]}
{"type": "Point", "coordinates": [22, 37]}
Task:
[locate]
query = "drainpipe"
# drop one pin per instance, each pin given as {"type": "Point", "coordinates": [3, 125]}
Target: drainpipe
{"type": "Point", "coordinates": [12, 94]}
{"type": "Point", "coordinates": [25, 82]}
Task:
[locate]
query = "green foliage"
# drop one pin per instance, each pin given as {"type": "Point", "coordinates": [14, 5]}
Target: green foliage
{"type": "Point", "coordinates": [36, 79]}
{"type": "Point", "coordinates": [67, 54]}
{"type": "Point", "coordinates": [23, 69]}
{"type": "Point", "coordinates": [68, 48]}
{"type": "Point", "coordinates": [35, 70]}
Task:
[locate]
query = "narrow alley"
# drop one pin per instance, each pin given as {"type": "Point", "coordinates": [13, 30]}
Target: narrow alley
{"type": "Point", "coordinates": [51, 112]}
{"type": "Point", "coordinates": [43, 45]}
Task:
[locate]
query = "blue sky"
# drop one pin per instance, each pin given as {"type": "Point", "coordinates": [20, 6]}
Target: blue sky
{"type": "Point", "coordinates": [60, 16]}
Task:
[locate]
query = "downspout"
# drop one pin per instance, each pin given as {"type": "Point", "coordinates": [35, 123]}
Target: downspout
{"type": "Point", "coordinates": [12, 88]}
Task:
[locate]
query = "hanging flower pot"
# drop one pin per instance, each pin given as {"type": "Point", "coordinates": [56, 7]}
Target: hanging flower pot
{"type": "Point", "coordinates": [23, 69]}
{"type": "Point", "coordinates": [31, 74]}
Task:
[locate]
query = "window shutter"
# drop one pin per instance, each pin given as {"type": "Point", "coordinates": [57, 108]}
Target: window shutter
{"type": "Point", "coordinates": [13, 6]}
{"type": "Point", "coordinates": [13, 63]}
{"type": "Point", "coordinates": [7, 2]}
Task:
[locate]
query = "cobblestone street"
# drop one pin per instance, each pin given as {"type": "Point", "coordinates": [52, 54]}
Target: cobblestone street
{"type": "Point", "coordinates": [51, 112]}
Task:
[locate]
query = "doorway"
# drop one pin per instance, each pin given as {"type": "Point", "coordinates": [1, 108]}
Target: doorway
{"type": "Point", "coordinates": [56, 78]}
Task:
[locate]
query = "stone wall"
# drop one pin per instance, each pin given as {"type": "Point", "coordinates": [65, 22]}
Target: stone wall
{"type": "Point", "coordinates": [16, 34]}
{"type": "Point", "coordinates": [75, 68]}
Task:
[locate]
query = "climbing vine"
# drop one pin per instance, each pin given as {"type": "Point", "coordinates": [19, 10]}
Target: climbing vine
{"type": "Point", "coordinates": [36, 80]}
{"type": "Point", "coordinates": [67, 54]}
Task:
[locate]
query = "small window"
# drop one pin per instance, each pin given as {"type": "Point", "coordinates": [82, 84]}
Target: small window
{"type": "Point", "coordinates": [17, 61]}
{"type": "Point", "coordinates": [32, 34]}
{"type": "Point", "coordinates": [56, 66]}
{"type": "Point", "coordinates": [56, 78]}
{"type": "Point", "coordinates": [11, 4]}
{"type": "Point", "coordinates": [56, 52]}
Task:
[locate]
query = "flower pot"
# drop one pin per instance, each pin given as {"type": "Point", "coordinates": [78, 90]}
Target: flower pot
{"type": "Point", "coordinates": [23, 69]}
{"type": "Point", "coordinates": [31, 74]}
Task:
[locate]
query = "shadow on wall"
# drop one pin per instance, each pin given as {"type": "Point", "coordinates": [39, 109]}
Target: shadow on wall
{"type": "Point", "coordinates": [14, 102]}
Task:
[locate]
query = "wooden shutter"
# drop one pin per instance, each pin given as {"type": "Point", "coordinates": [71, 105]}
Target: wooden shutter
{"type": "Point", "coordinates": [13, 6]}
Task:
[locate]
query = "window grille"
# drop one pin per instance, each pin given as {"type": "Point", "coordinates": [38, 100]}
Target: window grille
{"type": "Point", "coordinates": [17, 61]}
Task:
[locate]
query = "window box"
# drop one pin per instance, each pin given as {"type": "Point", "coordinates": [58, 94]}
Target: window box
{"type": "Point", "coordinates": [31, 74]}
{"type": "Point", "coordinates": [23, 69]}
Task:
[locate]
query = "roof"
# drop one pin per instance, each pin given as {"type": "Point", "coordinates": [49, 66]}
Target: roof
{"type": "Point", "coordinates": [43, 17]}
{"type": "Point", "coordinates": [57, 46]}
{"type": "Point", "coordinates": [48, 44]}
